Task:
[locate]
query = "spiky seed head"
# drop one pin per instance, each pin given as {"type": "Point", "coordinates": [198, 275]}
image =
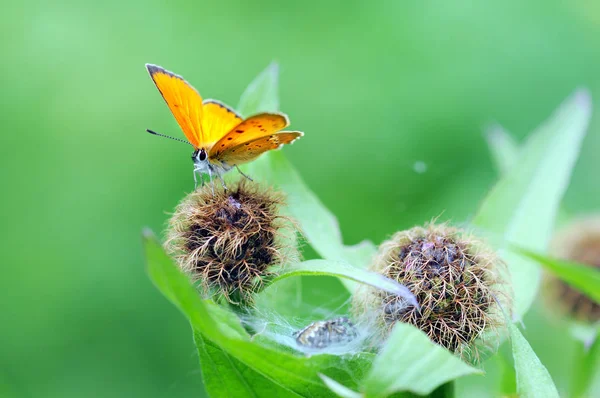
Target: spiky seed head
{"type": "Point", "coordinates": [578, 242]}
{"type": "Point", "coordinates": [229, 240]}
{"type": "Point", "coordinates": [456, 279]}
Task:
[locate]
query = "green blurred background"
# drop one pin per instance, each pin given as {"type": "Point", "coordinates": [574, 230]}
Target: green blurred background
{"type": "Point", "coordinates": [376, 86]}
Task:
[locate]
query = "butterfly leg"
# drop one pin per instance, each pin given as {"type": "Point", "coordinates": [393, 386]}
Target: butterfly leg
{"type": "Point", "coordinates": [238, 169]}
{"type": "Point", "coordinates": [197, 173]}
{"type": "Point", "coordinates": [222, 181]}
{"type": "Point", "coordinates": [212, 183]}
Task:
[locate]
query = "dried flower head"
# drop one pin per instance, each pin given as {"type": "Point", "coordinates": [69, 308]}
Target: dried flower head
{"type": "Point", "coordinates": [578, 242]}
{"type": "Point", "coordinates": [228, 241]}
{"type": "Point", "coordinates": [456, 280]}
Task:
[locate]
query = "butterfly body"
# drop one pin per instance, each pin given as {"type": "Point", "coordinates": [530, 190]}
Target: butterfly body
{"type": "Point", "coordinates": [202, 165]}
{"type": "Point", "coordinates": [221, 138]}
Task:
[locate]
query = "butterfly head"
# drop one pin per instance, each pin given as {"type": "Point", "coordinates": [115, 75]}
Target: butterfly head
{"type": "Point", "coordinates": [200, 159]}
{"type": "Point", "coordinates": [199, 155]}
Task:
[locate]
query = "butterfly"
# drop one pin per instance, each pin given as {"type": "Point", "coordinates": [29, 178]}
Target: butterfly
{"type": "Point", "coordinates": [221, 138]}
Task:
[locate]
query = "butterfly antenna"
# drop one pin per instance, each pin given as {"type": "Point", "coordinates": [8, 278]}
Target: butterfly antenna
{"type": "Point", "coordinates": [167, 136]}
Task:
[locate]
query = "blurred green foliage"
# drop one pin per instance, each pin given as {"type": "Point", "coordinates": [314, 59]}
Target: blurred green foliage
{"type": "Point", "coordinates": [376, 86]}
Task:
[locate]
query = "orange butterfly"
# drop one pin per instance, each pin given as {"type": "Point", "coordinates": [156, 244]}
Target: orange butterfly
{"type": "Point", "coordinates": [220, 137]}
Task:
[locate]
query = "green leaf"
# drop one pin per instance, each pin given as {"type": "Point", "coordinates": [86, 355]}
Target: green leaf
{"type": "Point", "coordinates": [586, 370]}
{"type": "Point", "coordinates": [508, 380]}
{"type": "Point", "coordinates": [344, 270]}
{"type": "Point", "coordinates": [225, 376]}
{"type": "Point", "coordinates": [582, 277]}
{"type": "Point", "coordinates": [294, 374]}
{"type": "Point", "coordinates": [212, 320]}
{"type": "Point", "coordinates": [505, 150]}
{"type": "Point", "coordinates": [262, 94]}
{"type": "Point", "coordinates": [339, 389]}
{"type": "Point", "coordinates": [409, 361]}
{"type": "Point", "coordinates": [361, 254]}
{"type": "Point", "coordinates": [533, 380]}
{"type": "Point", "coordinates": [298, 375]}
{"type": "Point", "coordinates": [446, 390]}
{"type": "Point", "coordinates": [522, 207]}
{"type": "Point", "coordinates": [318, 224]}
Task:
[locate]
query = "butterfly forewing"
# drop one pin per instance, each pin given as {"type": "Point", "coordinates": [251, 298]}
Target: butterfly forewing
{"type": "Point", "coordinates": [250, 150]}
{"type": "Point", "coordinates": [183, 100]}
{"type": "Point", "coordinates": [218, 120]}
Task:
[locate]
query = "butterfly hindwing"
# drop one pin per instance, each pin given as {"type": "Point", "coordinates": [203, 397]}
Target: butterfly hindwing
{"type": "Point", "coordinates": [248, 151]}
{"type": "Point", "coordinates": [257, 126]}
{"type": "Point", "coordinates": [218, 120]}
{"type": "Point", "coordinates": [183, 100]}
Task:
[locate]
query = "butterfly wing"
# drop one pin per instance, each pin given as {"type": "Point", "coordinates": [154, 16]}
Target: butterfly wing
{"type": "Point", "coordinates": [257, 126]}
{"type": "Point", "coordinates": [183, 100]}
{"type": "Point", "coordinates": [250, 150]}
{"type": "Point", "coordinates": [218, 120]}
